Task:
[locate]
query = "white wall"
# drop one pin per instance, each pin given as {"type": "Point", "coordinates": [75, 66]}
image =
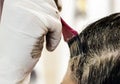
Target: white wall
{"type": "Point", "coordinates": [116, 6]}
{"type": "Point", "coordinates": [97, 8]}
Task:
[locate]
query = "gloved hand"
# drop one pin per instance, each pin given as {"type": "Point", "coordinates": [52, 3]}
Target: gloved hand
{"type": "Point", "coordinates": [24, 24]}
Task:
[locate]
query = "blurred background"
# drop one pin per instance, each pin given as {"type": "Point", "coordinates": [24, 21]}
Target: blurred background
{"type": "Point", "coordinates": [78, 14]}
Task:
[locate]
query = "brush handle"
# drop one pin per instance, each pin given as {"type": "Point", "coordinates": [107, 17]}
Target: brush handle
{"type": "Point", "coordinates": [68, 32]}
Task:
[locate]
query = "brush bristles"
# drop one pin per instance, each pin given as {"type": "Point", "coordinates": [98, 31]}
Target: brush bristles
{"type": "Point", "coordinates": [75, 46]}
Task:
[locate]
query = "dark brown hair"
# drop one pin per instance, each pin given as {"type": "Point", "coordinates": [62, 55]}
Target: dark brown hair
{"type": "Point", "coordinates": [95, 53]}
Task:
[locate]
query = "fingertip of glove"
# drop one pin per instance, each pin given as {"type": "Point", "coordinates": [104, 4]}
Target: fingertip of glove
{"type": "Point", "coordinates": [50, 48]}
{"type": "Point", "coordinates": [52, 44]}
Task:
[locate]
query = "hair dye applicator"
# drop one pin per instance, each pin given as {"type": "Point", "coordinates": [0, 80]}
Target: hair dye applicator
{"type": "Point", "coordinates": [72, 38]}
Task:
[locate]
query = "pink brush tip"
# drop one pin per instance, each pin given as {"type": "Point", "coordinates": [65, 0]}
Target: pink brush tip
{"type": "Point", "coordinates": [68, 32]}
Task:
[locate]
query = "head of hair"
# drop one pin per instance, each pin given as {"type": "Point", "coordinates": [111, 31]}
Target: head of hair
{"type": "Point", "coordinates": [95, 53]}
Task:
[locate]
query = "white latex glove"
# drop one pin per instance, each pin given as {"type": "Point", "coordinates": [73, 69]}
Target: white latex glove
{"type": "Point", "coordinates": [24, 24]}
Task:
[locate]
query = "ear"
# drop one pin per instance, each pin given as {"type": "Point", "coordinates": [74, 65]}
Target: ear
{"type": "Point", "coordinates": [58, 4]}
